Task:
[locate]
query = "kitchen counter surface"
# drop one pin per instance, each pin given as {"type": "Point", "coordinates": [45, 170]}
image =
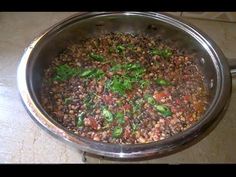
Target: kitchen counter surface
{"type": "Point", "coordinates": [23, 141]}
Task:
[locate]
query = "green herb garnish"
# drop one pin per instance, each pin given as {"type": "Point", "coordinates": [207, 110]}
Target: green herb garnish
{"type": "Point", "coordinates": [116, 67]}
{"type": "Point", "coordinates": [150, 99]}
{"type": "Point", "coordinates": [132, 67]}
{"type": "Point", "coordinates": [88, 100]}
{"type": "Point", "coordinates": [87, 73]}
{"type": "Point", "coordinates": [96, 57]}
{"type": "Point", "coordinates": [117, 132]}
{"type": "Point", "coordinates": [164, 53]}
{"type": "Point", "coordinates": [92, 73]}
{"type": "Point", "coordinates": [120, 48]}
{"type": "Point", "coordinates": [67, 100]}
{"type": "Point", "coordinates": [144, 83]}
{"type": "Point", "coordinates": [105, 125]}
{"type": "Point", "coordinates": [130, 46]}
{"type": "Point", "coordinates": [119, 103]}
{"type": "Point", "coordinates": [80, 119]}
{"type": "Point", "coordinates": [119, 84]}
{"type": "Point", "coordinates": [137, 105]}
{"type": "Point", "coordinates": [120, 117]}
{"type": "Point", "coordinates": [163, 82]}
{"type": "Point", "coordinates": [163, 109]}
{"type": "Point", "coordinates": [111, 50]}
{"type": "Point", "coordinates": [64, 72]}
{"type": "Point", "coordinates": [133, 73]}
{"type": "Point", "coordinates": [107, 114]}
{"type": "Point", "coordinates": [134, 126]}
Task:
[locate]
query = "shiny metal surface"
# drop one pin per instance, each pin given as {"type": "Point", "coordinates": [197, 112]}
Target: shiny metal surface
{"type": "Point", "coordinates": [232, 65]}
{"type": "Point", "coordinates": [180, 34]}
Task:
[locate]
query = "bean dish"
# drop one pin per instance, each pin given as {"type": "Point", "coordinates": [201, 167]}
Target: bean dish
{"type": "Point", "coordinates": [124, 89]}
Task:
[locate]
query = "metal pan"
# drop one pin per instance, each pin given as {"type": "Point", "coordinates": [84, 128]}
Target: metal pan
{"type": "Point", "coordinates": [175, 31]}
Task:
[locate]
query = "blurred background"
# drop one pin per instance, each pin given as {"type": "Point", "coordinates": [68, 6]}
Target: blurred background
{"type": "Point", "coordinates": [216, 16]}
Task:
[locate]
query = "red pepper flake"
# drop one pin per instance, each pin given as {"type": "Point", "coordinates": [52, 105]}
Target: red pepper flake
{"type": "Point", "coordinates": [107, 99]}
{"type": "Point", "coordinates": [158, 96]}
{"type": "Point", "coordinates": [187, 98]}
{"type": "Point", "coordinates": [177, 101]}
{"type": "Point", "coordinates": [93, 123]}
{"type": "Point", "coordinates": [129, 96]}
{"type": "Point", "coordinates": [127, 106]}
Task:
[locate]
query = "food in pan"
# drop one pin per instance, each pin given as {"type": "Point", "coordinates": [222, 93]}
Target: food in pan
{"type": "Point", "coordinates": [124, 89]}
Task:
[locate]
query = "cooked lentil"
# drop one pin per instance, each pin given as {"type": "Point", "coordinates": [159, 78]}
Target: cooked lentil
{"type": "Point", "coordinates": [124, 88]}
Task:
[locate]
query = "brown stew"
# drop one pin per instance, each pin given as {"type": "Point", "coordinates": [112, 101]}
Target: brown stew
{"type": "Point", "coordinates": [124, 88]}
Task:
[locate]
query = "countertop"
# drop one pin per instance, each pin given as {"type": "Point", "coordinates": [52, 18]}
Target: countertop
{"type": "Point", "coordinates": [23, 141]}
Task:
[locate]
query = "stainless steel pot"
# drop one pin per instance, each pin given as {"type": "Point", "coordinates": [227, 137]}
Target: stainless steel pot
{"type": "Point", "coordinates": [175, 31]}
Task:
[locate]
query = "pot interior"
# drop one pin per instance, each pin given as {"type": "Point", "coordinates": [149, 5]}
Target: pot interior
{"type": "Point", "coordinates": [78, 28]}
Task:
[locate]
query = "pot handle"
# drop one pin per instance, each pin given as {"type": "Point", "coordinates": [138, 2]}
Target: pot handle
{"type": "Point", "coordinates": [232, 66]}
